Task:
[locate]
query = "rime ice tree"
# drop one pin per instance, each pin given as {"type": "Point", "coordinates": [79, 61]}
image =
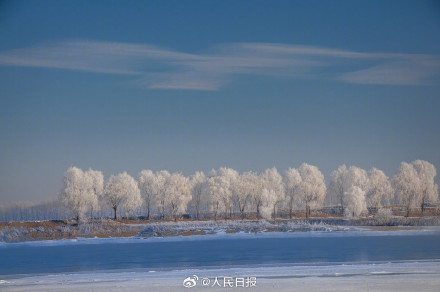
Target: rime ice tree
{"type": "Point", "coordinates": [147, 188]}
{"type": "Point", "coordinates": [406, 186]}
{"type": "Point", "coordinates": [273, 182]}
{"type": "Point", "coordinates": [97, 181]}
{"type": "Point", "coordinates": [355, 202]}
{"type": "Point", "coordinates": [343, 179]}
{"type": "Point", "coordinates": [337, 186]}
{"type": "Point", "coordinates": [379, 191]}
{"type": "Point", "coordinates": [243, 189]}
{"type": "Point", "coordinates": [312, 187]}
{"type": "Point", "coordinates": [77, 194]}
{"type": "Point", "coordinates": [122, 191]}
{"type": "Point", "coordinates": [160, 186]}
{"type": "Point", "coordinates": [269, 199]}
{"type": "Point", "coordinates": [217, 188]}
{"type": "Point", "coordinates": [257, 193]}
{"type": "Point", "coordinates": [177, 194]}
{"type": "Point", "coordinates": [428, 190]}
{"type": "Point", "coordinates": [198, 186]}
{"type": "Point", "coordinates": [227, 178]}
{"type": "Point", "coordinates": [356, 177]}
{"type": "Point", "coordinates": [292, 180]}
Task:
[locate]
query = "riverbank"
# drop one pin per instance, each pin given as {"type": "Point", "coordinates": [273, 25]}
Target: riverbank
{"type": "Point", "coordinates": [106, 228]}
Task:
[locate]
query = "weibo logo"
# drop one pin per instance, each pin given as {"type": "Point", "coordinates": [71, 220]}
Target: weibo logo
{"type": "Point", "coordinates": [190, 281]}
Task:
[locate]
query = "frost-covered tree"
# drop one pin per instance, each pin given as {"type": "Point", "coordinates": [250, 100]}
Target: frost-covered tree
{"type": "Point", "coordinates": [355, 203]}
{"type": "Point", "coordinates": [244, 187]}
{"type": "Point", "coordinates": [147, 181]}
{"type": "Point", "coordinates": [177, 194]}
{"type": "Point", "coordinates": [406, 185]}
{"type": "Point", "coordinates": [269, 199]}
{"type": "Point", "coordinates": [428, 190]}
{"type": "Point", "coordinates": [77, 193]}
{"type": "Point", "coordinates": [345, 178]}
{"type": "Point", "coordinates": [292, 180]}
{"type": "Point", "coordinates": [272, 181]}
{"type": "Point", "coordinates": [379, 191]}
{"type": "Point", "coordinates": [312, 188]}
{"type": "Point", "coordinates": [257, 198]}
{"type": "Point", "coordinates": [337, 186]}
{"type": "Point", "coordinates": [160, 187]}
{"type": "Point", "coordinates": [122, 191]}
{"type": "Point", "coordinates": [23, 211]}
{"type": "Point", "coordinates": [357, 177]}
{"type": "Point", "coordinates": [227, 178]}
{"type": "Point", "coordinates": [215, 189]}
{"type": "Point", "coordinates": [97, 180]}
{"type": "Point", "coordinates": [198, 191]}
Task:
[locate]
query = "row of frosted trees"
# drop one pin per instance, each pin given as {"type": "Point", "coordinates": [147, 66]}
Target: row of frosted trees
{"type": "Point", "coordinates": [227, 193]}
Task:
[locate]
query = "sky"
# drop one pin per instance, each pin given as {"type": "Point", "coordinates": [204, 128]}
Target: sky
{"type": "Point", "coordinates": [194, 85]}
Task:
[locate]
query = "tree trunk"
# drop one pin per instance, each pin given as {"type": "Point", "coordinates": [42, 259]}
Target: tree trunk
{"type": "Point", "coordinates": [407, 212]}
{"type": "Point", "coordinates": [215, 211]}
{"type": "Point", "coordinates": [274, 210]}
{"type": "Point", "coordinates": [342, 207]}
{"type": "Point", "coordinates": [258, 211]}
{"type": "Point", "coordinates": [114, 208]}
{"type": "Point", "coordinates": [91, 212]}
{"type": "Point", "coordinates": [291, 208]}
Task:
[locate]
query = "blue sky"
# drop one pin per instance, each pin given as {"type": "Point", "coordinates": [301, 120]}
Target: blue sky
{"type": "Point", "coordinates": [195, 85]}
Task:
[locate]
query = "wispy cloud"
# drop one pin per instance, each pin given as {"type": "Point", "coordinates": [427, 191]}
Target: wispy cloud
{"type": "Point", "coordinates": [155, 67]}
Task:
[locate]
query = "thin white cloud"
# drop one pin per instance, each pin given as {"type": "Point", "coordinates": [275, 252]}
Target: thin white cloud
{"type": "Point", "coordinates": [404, 71]}
{"type": "Point", "coordinates": [162, 68]}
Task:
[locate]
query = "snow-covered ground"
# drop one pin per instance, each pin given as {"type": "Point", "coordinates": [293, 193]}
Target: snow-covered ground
{"type": "Point", "coordinates": [103, 228]}
{"type": "Point", "coordinates": [396, 276]}
{"type": "Point", "coordinates": [215, 232]}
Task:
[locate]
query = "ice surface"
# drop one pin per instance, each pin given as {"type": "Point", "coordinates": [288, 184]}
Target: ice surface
{"type": "Point", "coordinates": [400, 276]}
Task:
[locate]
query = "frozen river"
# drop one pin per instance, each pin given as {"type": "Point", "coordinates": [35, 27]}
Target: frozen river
{"type": "Point", "coordinates": [272, 257]}
{"type": "Point", "coordinates": [301, 248]}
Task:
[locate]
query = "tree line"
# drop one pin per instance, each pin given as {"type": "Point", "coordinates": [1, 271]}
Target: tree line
{"type": "Point", "coordinates": [225, 192]}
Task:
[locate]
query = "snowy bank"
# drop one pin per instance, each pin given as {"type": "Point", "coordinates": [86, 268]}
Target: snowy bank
{"type": "Point", "coordinates": [68, 231]}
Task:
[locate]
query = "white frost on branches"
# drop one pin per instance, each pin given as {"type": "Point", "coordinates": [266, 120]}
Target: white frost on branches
{"type": "Point", "coordinates": [379, 191]}
{"type": "Point", "coordinates": [147, 187]}
{"type": "Point", "coordinates": [292, 181]}
{"type": "Point", "coordinates": [312, 188]}
{"type": "Point", "coordinates": [428, 190]}
{"type": "Point", "coordinates": [272, 182]}
{"type": "Point", "coordinates": [97, 180]}
{"type": "Point", "coordinates": [78, 194]}
{"type": "Point", "coordinates": [406, 186]}
{"type": "Point", "coordinates": [122, 191]}
{"type": "Point", "coordinates": [355, 202]}
{"type": "Point", "coordinates": [198, 189]}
